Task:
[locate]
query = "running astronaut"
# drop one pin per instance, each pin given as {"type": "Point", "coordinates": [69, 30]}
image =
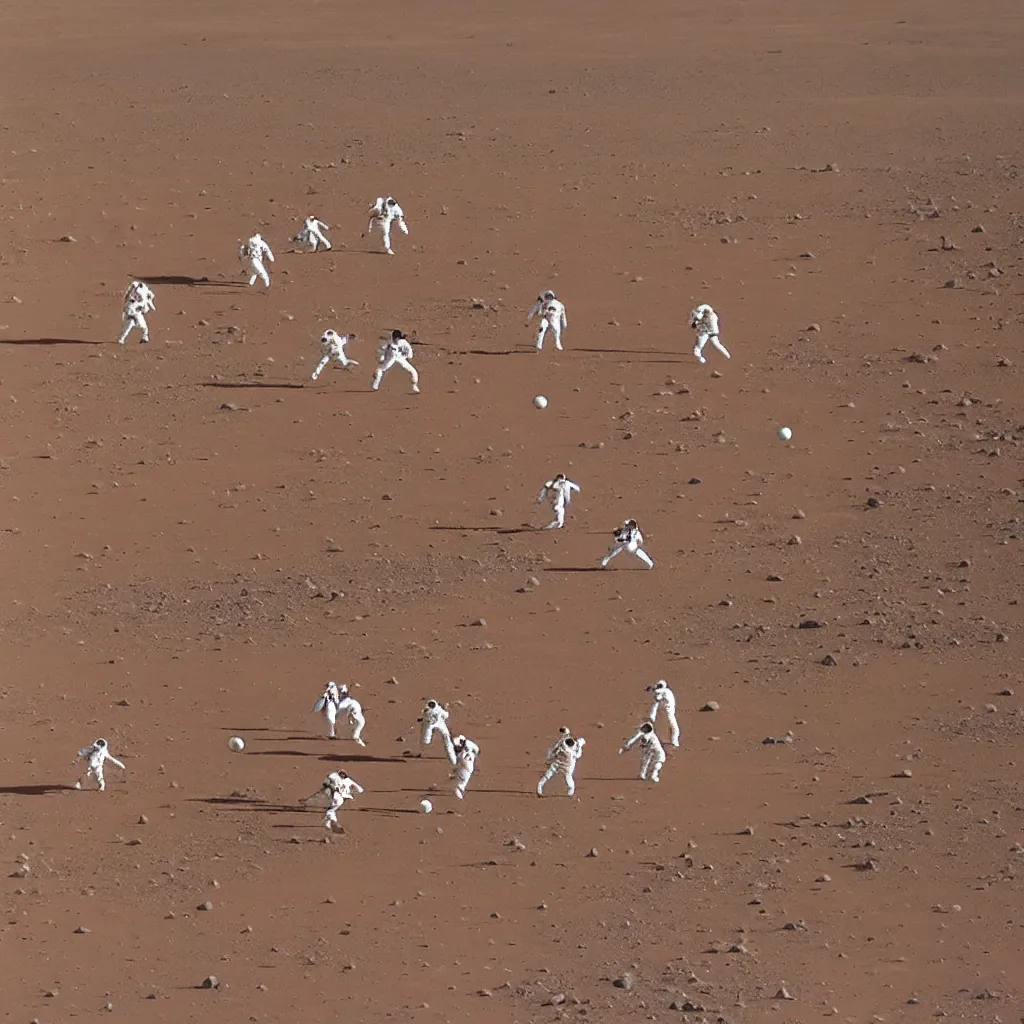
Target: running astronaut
{"type": "Point", "coordinates": [552, 315]}
{"type": "Point", "coordinates": [334, 702]}
{"type": "Point", "coordinates": [562, 756]}
{"type": "Point", "coordinates": [332, 346]}
{"type": "Point", "coordinates": [560, 489]}
{"type": "Point", "coordinates": [652, 756]}
{"type": "Point", "coordinates": [383, 213]}
{"type": "Point", "coordinates": [628, 538]}
{"type": "Point", "coordinates": [138, 301]}
{"type": "Point", "coordinates": [704, 320]}
{"type": "Point", "coordinates": [466, 753]}
{"type": "Point", "coordinates": [254, 252]}
{"type": "Point", "coordinates": [435, 719]}
{"type": "Point", "coordinates": [313, 234]}
{"type": "Point", "coordinates": [664, 700]}
{"type": "Point", "coordinates": [336, 788]}
{"type": "Point", "coordinates": [96, 755]}
{"type": "Point", "coordinates": [396, 352]}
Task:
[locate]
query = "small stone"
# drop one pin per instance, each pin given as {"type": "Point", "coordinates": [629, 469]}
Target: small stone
{"type": "Point", "coordinates": [747, 830]}
{"type": "Point", "coordinates": [978, 229]}
{"type": "Point", "coordinates": [81, 931]}
{"type": "Point", "coordinates": [68, 238]}
{"type": "Point", "coordinates": [593, 852]}
{"type": "Point", "coordinates": [626, 981]}
{"type": "Point", "coordinates": [874, 503]}
{"type": "Point", "coordinates": [393, 681]}
{"type": "Point", "coordinates": [557, 999]}
{"type": "Point", "coordinates": [829, 661]}
{"type": "Point", "coordinates": [951, 283]}
{"type": "Point", "coordinates": [783, 993]}
{"type": "Point", "coordinates": [823, 878]}
{"type": "Point", "coordinates": [516, 844]}
{"type": "Point", "coordinates": [479, 622]}
{"type": "Point", "coordinates": [905, 774]}
{"type": "Point", "coordinates": [229, 406]}
{"type": "Point", "coordinates": [210, 981]}
{"type": "Point", "coordinates": [795, 541]}
{"type": "Point", "coordinates": [809, 624]}
{"type": "Point", "coordinates": [711, 705]}
{"type": "Point", "coordinates": [484, 991]}
{"type": "Point", "coordinates": [205, 906]}
{"type": "Point", "coordinates": [143, 820]}
{"type": "Point", "coordinates": [863, 800]}
{"type": "Point", "coordinates": [799, 514]}
{"type": "Point", "coordinates": [694, 480]}
{"type": "Point", "coordinates": [1002, 638]}
{"type": "Point", "coordinates": [52, 993]}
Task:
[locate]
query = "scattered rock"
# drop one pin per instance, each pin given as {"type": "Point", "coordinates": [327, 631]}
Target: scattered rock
{"type": "Point", "coordinates": [799, 514]}
{"type": "Point", "coordinates": [695, 480]}
{"type": "Point", "coordinates": [626, 981]}
{"type": "Point", "coordinates": [68, 238]}
{"type": "Point", "coordinates": [829, 661]}
{"type": "Point", "coordinates": [210, 981]}
{"type": "Point", "coordinates": [205, 906]}
{"type": "Point", "coordinates": [783, 993]}
{"type": "Point", "coordinates": [711, 705]}
{"type": "Point", "coordinates": [810, 624]}
{"type": "Point", "coordinates": [479, 622]}
{"type": "Point", "coordinates": [516, 844]}
{"type": "Point", "coordinates": [80, 930]}
{"type": "Point", "coordinates": [593, 852]}
{"type": "Point", "coordinates": [905, 774]}
{"type": "Point", "coordinates": [874, 503]}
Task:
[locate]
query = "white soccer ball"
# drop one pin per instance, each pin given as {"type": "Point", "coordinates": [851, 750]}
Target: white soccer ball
{"type": "Point", "coordinates": [785, 433]}
{"type": "Point", "coordinates": [540, 402]}
{"type": "Point", "coordinates": [237, 744]}
{"type": "Point", "coordinates": [426, 806]}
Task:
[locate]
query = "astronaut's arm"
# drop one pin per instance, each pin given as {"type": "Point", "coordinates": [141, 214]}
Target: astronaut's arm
{"type": "Point", "coordinates": [114, 761]}
{"type": "Point", "coordinates": [630, 743]}
{"type": "Point", "coordinates": [572, 486]}
{"type": "Point", "coordinates": [543, 494]}
{"type": "Point", "coordinates": [534, 310]}
{"type": "Point", "coordinates": [357, 787]}
{"type": "Point", "coordinates": [270, 254]}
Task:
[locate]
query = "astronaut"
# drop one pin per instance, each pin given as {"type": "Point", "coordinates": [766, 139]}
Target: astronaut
{"type": "Point", "coordinates": [704, 320]}
{"type": "Point", "coordinates": [561, 757]}
{"type": "Point", "coordinates": [396, 351]}
{"type": "Point", "coordinates": [466, 753]}
{"type": "Point", "coordinates": [552, 314]}
{"type": "Point", "coordinates": [332, 346]}
{"type": "Point", "coordinates": [435, 719]}
{"type": "Point", "coordinates": [335, 701]}
{"type": "Point", "coordinates": [312, 234]}
{"type": "Point", "coordinates": [96, 754]}
{"type": "Point", "coordinates": [628, 538]}
{"type": "Point", "coordinates": [138, 301]}
{"type": "Point", "coordinates": [560, 489]}
{"type": "Point", "coordinates": [652, 752]}
{"type": "Point", "coordinates": [337, 788]}
{"type": "Point", "coordinates": [255, 250]}
{"type": "Point", "coordinates": [382, 214]}
{"type": "Point", "coordinates": [664, 700]}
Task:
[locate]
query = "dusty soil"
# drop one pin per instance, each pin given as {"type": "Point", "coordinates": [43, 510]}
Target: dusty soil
{"type": "Point", "coordinates": [195, 537]}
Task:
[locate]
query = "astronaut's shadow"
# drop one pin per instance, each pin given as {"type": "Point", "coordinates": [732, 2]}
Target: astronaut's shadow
{"type": "Point", "coordinates": [575, 568]}
{"type": "Point", "coordinates": [40, 790]}
{"type": "Point", "coordinates": [489, 529]}
{"type": "Point", "coordinates": [231, 385]}
{"type": "Point", "coordinates": [188, 281]}
{"type": "Point", "coordinates": [51, 341]}
{"type": "Point", "coordinates": [360, 759]}
{"type": "Point", "coordinates": [239, 803]}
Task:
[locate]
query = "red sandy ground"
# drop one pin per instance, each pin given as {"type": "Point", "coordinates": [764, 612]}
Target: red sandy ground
{"type": "Point", "coordinates": [168, 562]}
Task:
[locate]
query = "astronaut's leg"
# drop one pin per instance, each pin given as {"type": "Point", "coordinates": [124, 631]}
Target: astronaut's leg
{"type": "Point", "coordinates": [716, 341]}
{"type": "Point", "coordinates": [358, 723]}
{"type": "Point", "coordinates": [570, 779]}
{"type": "Point", "coordinates": [330, 818]}
{"type": "Point", "coordinates": [556, 328]}
{"type": "Point", "coordinates": [411, 370]}
{"type": "Point", "coordinates": [546, 778]}
{"type": "Point", "coordinates": [403, 225]}
{"type": "Point", "coordinates": [463, 773]}
{"type": "Point", "coordinates": [644, 557]}
{"type": "Point", "coordinates": [140, 322]}
{"type": "Point", "coordinates": [128, 324]}
{"type": "Point", "coordinates": [656, 765]}
{"type": "Point", "coordinates": [386, 227]}
{"type": "Point", "coordinates": [673, 727]}
{"type": "Point", "coordinates": [645, 765]}
{"type": "Point", "coordinates": [100, 781]}
{"type": "Point", "coordinates": [559, 521]}
{"type": "Point", "coordinates": [698, 349]}
{"type": "Point", "coordinates": [345, 361]}
{"type": "Point", "coordinates": [381, 370]}
{"type": "Point", "coordinates": [319, 236]}
{"type": "Point", "coordinates": [332, 717]}
{"type": "Point", "coordinates": [319, 366]}
{"type": "Point", "coordinates": [540, 334]}
{"type": "Point", "coordinates": [617, 549]}
{"type": "Point", "coordinates": [259, 271]}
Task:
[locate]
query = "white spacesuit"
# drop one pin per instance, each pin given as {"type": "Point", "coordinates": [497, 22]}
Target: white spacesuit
{"type": "Point", "coordinates": [652, 752]}
{"type": "Point", "coordinates": [435, 719]}
{"type": "Point", "coordinates": [383, 213]}
{"type": "Point", "coordinates": [397, 351]}
{"type": "Point", "coordinates": [335, 701]}
{"type": "Point", "coordinates": [466, 753]}
{"type": "Point", "coordinates": [552, 315]}
{"type": "Point", "coordinates": [664, 700]}
{"type": "Point", "coordinates": [562, 756]}
{"type": "Point", "coordinates": [97, 754]}
{"type": "Point", "coordinates": [337, 788]}
{"type": "Point", "coordinates": [255, 251]}
{"type": "Point", "coordinates": [313, 234]}
{"type": "Point", "coordinates": [560, 490]}
{"type": "Point", "coordinates": [332, 346]}
{"type": "Point", "coordinates": [628, 538]}
{"type": "Point", "coordinates": [704, 320]}
{"type": "Point", "coordinates": [138, 301]}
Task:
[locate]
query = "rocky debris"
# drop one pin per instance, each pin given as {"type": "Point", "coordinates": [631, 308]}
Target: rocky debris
{"type": "Point", "coordinates": [626, 981]}
{"type": "Point", "coordinates": [711, 705]}
{"type": "Point", "coordinates": [783, 993]}
{"type": "Point", "coordinates": [810, 624]}
{"type": "Point", "coordinates": [516, 844]}
{"type": "Point", "coordinates": [874, 503]}
{"type": "Point", "coordinates": [210, 981]}
{"type": "Point", "coordinates": [829, 661]}
{"type": "Point", "coordinates": [593, 852]}
{"type": "Point", "coordinates": [207, 905]}
{"type": "Point", "coordinates": [479, 622]}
